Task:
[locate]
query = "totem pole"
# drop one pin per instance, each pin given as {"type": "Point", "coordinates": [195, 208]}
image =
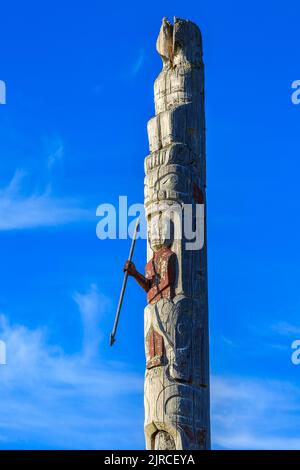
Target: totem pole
{"type": "Point", "coordinates": [176, 316]}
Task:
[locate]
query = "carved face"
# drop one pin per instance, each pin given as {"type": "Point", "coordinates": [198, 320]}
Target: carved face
{"type": "Point", "coordinates": [159, 231]}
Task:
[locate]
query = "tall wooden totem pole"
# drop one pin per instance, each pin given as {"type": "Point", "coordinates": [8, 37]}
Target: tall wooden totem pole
{"type": "Point", "coordinates": [176, 316]}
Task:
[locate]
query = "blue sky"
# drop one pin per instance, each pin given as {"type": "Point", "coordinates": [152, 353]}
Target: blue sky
{"type": "Point", "coordinates": [79, 83]}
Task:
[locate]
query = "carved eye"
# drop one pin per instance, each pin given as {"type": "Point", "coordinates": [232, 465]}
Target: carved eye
{"type": "Point", "coordinates": [170, 181]}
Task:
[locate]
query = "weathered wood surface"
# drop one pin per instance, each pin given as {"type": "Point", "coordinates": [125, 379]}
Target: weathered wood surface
{"type": "Point", "coordinates": [176, 321]}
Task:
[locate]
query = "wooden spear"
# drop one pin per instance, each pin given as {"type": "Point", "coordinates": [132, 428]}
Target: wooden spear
{"type": "Point", "coordinates": [113, 333]}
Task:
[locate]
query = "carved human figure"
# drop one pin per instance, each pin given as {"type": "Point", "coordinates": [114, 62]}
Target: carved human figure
{"type": "Point", "coordinates": [160, 275]}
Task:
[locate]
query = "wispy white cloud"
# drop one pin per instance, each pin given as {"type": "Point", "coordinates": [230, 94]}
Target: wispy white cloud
{"type": "Point", "coordinates": [228, 341]}
{"type": "Point", "coordinates": [252, 413]}
{"type": "Point", "coordinates": [138, 63]}
{"type": "Point", "coordinates": [286, 329]}
{"type": "Point", "coordinates": [22, 211]}
{"type": "Point", "coordinates": [56, 152]}
{"type": "Point", "coordinates": [91, 305]}
{"type": "Point", "coordinates": [51, 399]}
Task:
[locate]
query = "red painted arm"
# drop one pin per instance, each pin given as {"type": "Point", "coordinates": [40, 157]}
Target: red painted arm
{"type": "Point", "coordinates": [140, 279]}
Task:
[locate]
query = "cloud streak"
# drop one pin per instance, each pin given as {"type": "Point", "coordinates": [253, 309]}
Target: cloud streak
{"type": "Point", "coordinates": [138, 63]}
{"type": "Point", "coordinates": [56, 153]}
{"type": "Point", "coordinates": [19, 211]}
{"type": "Point", "coordinates": [91, 306]}
{"type": "Point", "coordinates": [251, 413]}
{"type": "Point", "coordinates": [286, 329]}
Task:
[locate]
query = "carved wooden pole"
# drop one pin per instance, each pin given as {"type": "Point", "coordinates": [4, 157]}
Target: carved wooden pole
{"type": "Point", "coordinates": [176, 317]}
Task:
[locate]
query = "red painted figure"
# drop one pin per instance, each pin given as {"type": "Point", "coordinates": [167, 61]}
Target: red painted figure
{"type": "Point", "coordinates": [159, 281]}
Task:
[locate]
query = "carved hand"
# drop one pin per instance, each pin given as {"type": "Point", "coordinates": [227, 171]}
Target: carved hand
{"type": "Point", "coordinates": [141, 280]}
{"type": "Point", "coordinates": [130, 268]}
